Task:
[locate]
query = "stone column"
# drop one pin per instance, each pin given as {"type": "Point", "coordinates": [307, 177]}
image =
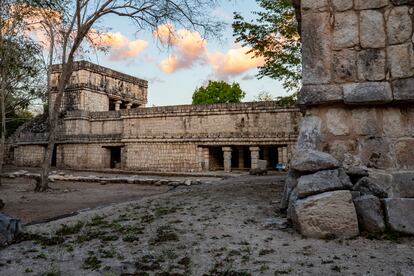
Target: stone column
{"type": "Point", "coordinates": [118, 105]}
{"type": "Point", "coordinates": [241, 158]}
{"type": "Point", "coordinates": [284, 155]}
{"type": "Point", "coordinates": [254, 152]}
{"type": "Point", "coordinates": [279, 155]}
{"type": "Point", "coordinates": [227, 159]}
{"type": "Point", "coordinates": [129, 106]}
{"type": "Point", "coordinates": [206, 159]}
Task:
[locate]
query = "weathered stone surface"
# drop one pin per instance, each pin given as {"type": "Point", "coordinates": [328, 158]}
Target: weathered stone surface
{"type": "Point", "coordinates": [326, 215]}
{"type": "Point", "coordinates": [399, 60]}
{"type": "Point", "coordinates": [399, 213]}
{"type": "Point", "coordinates": [403, 184]}
{"type": "Point", "coordinates": [365, 122]}
{"type": "Point", "coordinates": [345, 69]}
{"type": "Point", "coordinates": [370, 213]}
{"type": "Point", "coordinates": [1, 204]}
{"type": "Point", "coordinates": [320, 94]}
{"type": "Point", "coordinates": [342, 5]}
{"type": "Point", "coordinates": [309, 133]}
{"type": "Point", "coordinates": [9, 229]}
{"type": "Point", "coordinates": [399, 25]}
{"type": "Point", "coordinates": [314, 5]}
{"type": "Point", "coordinates": [291, 205]}
{"type": "Point", "coordinates": [404, 89]}
{"type": "Point", "coordinates": [336, 121]}
{"type": "Point", "coordinates": [392, 123]}
{"type": "Point", "coordinates": [371, 186]}
{"type": "Point", "coordinates": [308, 160]}
{"type": "Point", "coordinates": [371, 64]}
{"type": "Point", "coordinates": [355, 173]}
{"type": "Point", "coordinates": [316, 48]}
{"type": "Point", "coordinates": [345, 30]}
{"type": "Point", "coordinates": [323, 181]}
{"type": "Point", "coordinates": [375, 153]}
{"type": "Point", "coordinates": [367, 92]}
{"type": "Point", "coordinates": [290, 184]}
{"type": "Point", "coordinates": [370, 4]}
{"type": "Point", "coordinates": [372, 29]}
{"type": "Point", "coordinates": [404, 153]}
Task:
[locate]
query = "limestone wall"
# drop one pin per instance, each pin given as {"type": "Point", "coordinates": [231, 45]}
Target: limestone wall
{"type": "Point", "coordinates": [29, 155]}
{"type": "Point", "coordinates": [82, 156]}
{"type": "Point", "coordinates": [358, 81]}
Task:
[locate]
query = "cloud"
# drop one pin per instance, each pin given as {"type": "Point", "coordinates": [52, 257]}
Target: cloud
{"type": "Point", "coordinates": [188, 48]}
{"type": "Point", "coordinates": [248, 77]}
{"type": "Point", "coordinates": [120, 47]}
{"type": "Point", "coordinates": [235, 61]}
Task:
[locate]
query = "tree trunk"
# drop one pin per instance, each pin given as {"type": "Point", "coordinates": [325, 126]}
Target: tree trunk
{"type": "Point", "coordinates": [3, 129]}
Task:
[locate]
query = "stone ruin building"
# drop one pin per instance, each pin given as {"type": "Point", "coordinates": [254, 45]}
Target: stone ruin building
{"type": "Point", "coordinates": [353, 167]}
{"type": "Point", "coordinates": [105, 124]}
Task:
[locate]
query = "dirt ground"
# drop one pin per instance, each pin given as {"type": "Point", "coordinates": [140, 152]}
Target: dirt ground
{"type": "Point", "coordinates": [222, 228]}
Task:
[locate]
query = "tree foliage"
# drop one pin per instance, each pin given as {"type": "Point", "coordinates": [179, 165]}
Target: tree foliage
{"type": "Point", "coordinates": [274, 36]}
{"type": "Point", "coordinates": [218, 92]}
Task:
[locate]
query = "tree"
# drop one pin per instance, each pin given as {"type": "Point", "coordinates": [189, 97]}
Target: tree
{"type": "Point", "coordinates": [264, 96]}
{"type": "Point", "coordinates": [80, 16]}
{"type": "Point", "coordinates": [274, 36]}
{"type": "Point", "coordinates": [218, 92]}
{"type": "Point", "coordinates": [18, 66]}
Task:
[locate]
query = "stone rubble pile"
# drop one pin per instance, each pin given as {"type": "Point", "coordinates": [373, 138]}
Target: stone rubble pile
{"type": "Point", "coordinates": [325, 200]}
{"type": "Point", "coordinates": [10, 228]}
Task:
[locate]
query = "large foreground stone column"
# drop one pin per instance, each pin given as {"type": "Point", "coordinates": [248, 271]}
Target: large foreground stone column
{"type": "Point", "coordinates": [358, 95]}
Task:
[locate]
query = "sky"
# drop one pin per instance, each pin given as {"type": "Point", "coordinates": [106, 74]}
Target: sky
{"type": "Point", "coordinates": [173, 73]}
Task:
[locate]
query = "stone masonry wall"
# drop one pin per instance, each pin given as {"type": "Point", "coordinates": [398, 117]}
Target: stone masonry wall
{"type": "Point", "coordinates": [29, 155]}
{"type": "Point", "coordinates": [358, 59]}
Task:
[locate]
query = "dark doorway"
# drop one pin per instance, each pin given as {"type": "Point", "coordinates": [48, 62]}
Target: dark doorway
{"type": "Point", "coordinates": [115, 157]}
{"type": "Point", "coordinates": [111, 104]}
{"type": "Point", "coordinates": [54, 156]}
{"type": "Point", "coordinates": [216, 158]}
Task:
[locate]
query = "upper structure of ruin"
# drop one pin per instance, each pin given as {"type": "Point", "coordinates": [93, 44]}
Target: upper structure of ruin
{"type": "Point", "coordinates": [96, 88]}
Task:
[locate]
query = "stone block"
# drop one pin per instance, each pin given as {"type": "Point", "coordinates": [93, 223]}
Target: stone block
{"type": "Point", "coordinates": [403, 184]}
{"type": "Point", "coordinates": [375, 153]}
{"type": "Point", "coordinates": [313, 5]}
{"type": "Point", "coordinates": [404, 89]}
{"type": "Point", "coordinates": [316, 48]}
{"type": "Point", "coordinates": [323, 181]}
{"type": "Point", "coordinates": [404, 153]}
{"type": "Point", "coordinates": [320, 94]}
{"type": "Point", "coordinates": [309, 133]}
{"type": "Point", "coordinates": [367, 93]}
{"type": "Point", "coordinates": [371, 64]}
{"type": "Point", "coordinates": [342, 5]}
{"type": "Point", "coordinates": [345, 30]}
{"type": "Point", "coordinates": [9, 229]}
{"type": "Point", "coordinates": [392, 123]}
{"type": "Point", "coordinates": [371, 186]}
{"type": "Point", "coordinates": [336, 121]}
{"type": "Point", "coordinates": [327, 215]}
{"type": "Point", "coordinates": [370, 214]}
{"type": "Point", "coordinates": [399, 60]}
{"type": "Point", "coordinates": [291, 204]}
{"type": "Point", "coordinates": [399, 25]}
{"type": "Point", "coordinates": [290, 184]}
{"type": "Point", "coordinates": [399, 214]}
{"type": "Point", "coordinates": [307, 160]}
{"type": "Point", "coordinates": [372, 29]}
{"type": "Point", "coordinates": [365, 122]}
{"type": "Point", "coordinates": [345, 66]}
{"type": "Point", "coordinates": [370, 4]}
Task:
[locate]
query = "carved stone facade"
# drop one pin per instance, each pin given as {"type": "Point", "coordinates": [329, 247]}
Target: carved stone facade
{"type": "Point", "coordinates": [172, 138]}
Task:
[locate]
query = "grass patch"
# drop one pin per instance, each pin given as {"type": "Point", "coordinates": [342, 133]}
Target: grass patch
{"type": "Point", "coordinates": [92, 263]}
{"type": "Point", "coordinates": [164, 234]}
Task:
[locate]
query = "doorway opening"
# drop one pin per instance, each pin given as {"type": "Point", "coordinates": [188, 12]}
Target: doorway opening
{"type": "Point", "coordinates": [54, 156]}
{"type": "Point", "coordinates": [115, 162]}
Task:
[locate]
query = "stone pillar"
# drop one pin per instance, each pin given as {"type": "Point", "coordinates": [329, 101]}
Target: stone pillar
{"type": "Point", "coordinates": [241, 158]}
{"type": "Point", "coordinates": [227, 159]}
{"type": "Point", "coordinates": [284, 155]}
{"type": "Point", "coordinates": [206, 159]}
{"type": "Point", "coordinates": [254, 152]}
{"type": "Point", "coordinates": [118, 105]}
{"type": "Point", "coordinates": [279, 155]}
{"type": "Point", "coordinates": [129, 106]}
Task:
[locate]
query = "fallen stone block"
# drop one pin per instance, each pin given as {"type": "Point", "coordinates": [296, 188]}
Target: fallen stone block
{"type": "Point", "coordinates": [356, 173]}
{"type": "Point", "coordinates": [399, 213]}
{"type": "Point", "coordinates": [323, 181]}
{"type": "Point", "coordinates": [291, 203]}
{"type": "Point", "coordinates": [9, 229]}
{"type": "Point", "coordinates": [290, 184]}
{"type": "Point", "coordinates": [307, 160]}
{"type": "Point", "coordinates": [327, 215]}
{"type": "Point", "coordinates": [371, 186]}
{"type": "Point", "coordinates": [370, 213]}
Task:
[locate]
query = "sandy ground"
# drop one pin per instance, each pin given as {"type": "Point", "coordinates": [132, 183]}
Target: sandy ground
{"type": "Point", "coordinates": [210, 229]}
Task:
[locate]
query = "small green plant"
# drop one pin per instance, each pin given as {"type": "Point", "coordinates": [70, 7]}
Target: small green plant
{"type": "Point", "coordinates": [67, 230]}
{"type": "Point", "coordinates": [164, 234]}
{"type": "Point", "coordinates": [92, 263]}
